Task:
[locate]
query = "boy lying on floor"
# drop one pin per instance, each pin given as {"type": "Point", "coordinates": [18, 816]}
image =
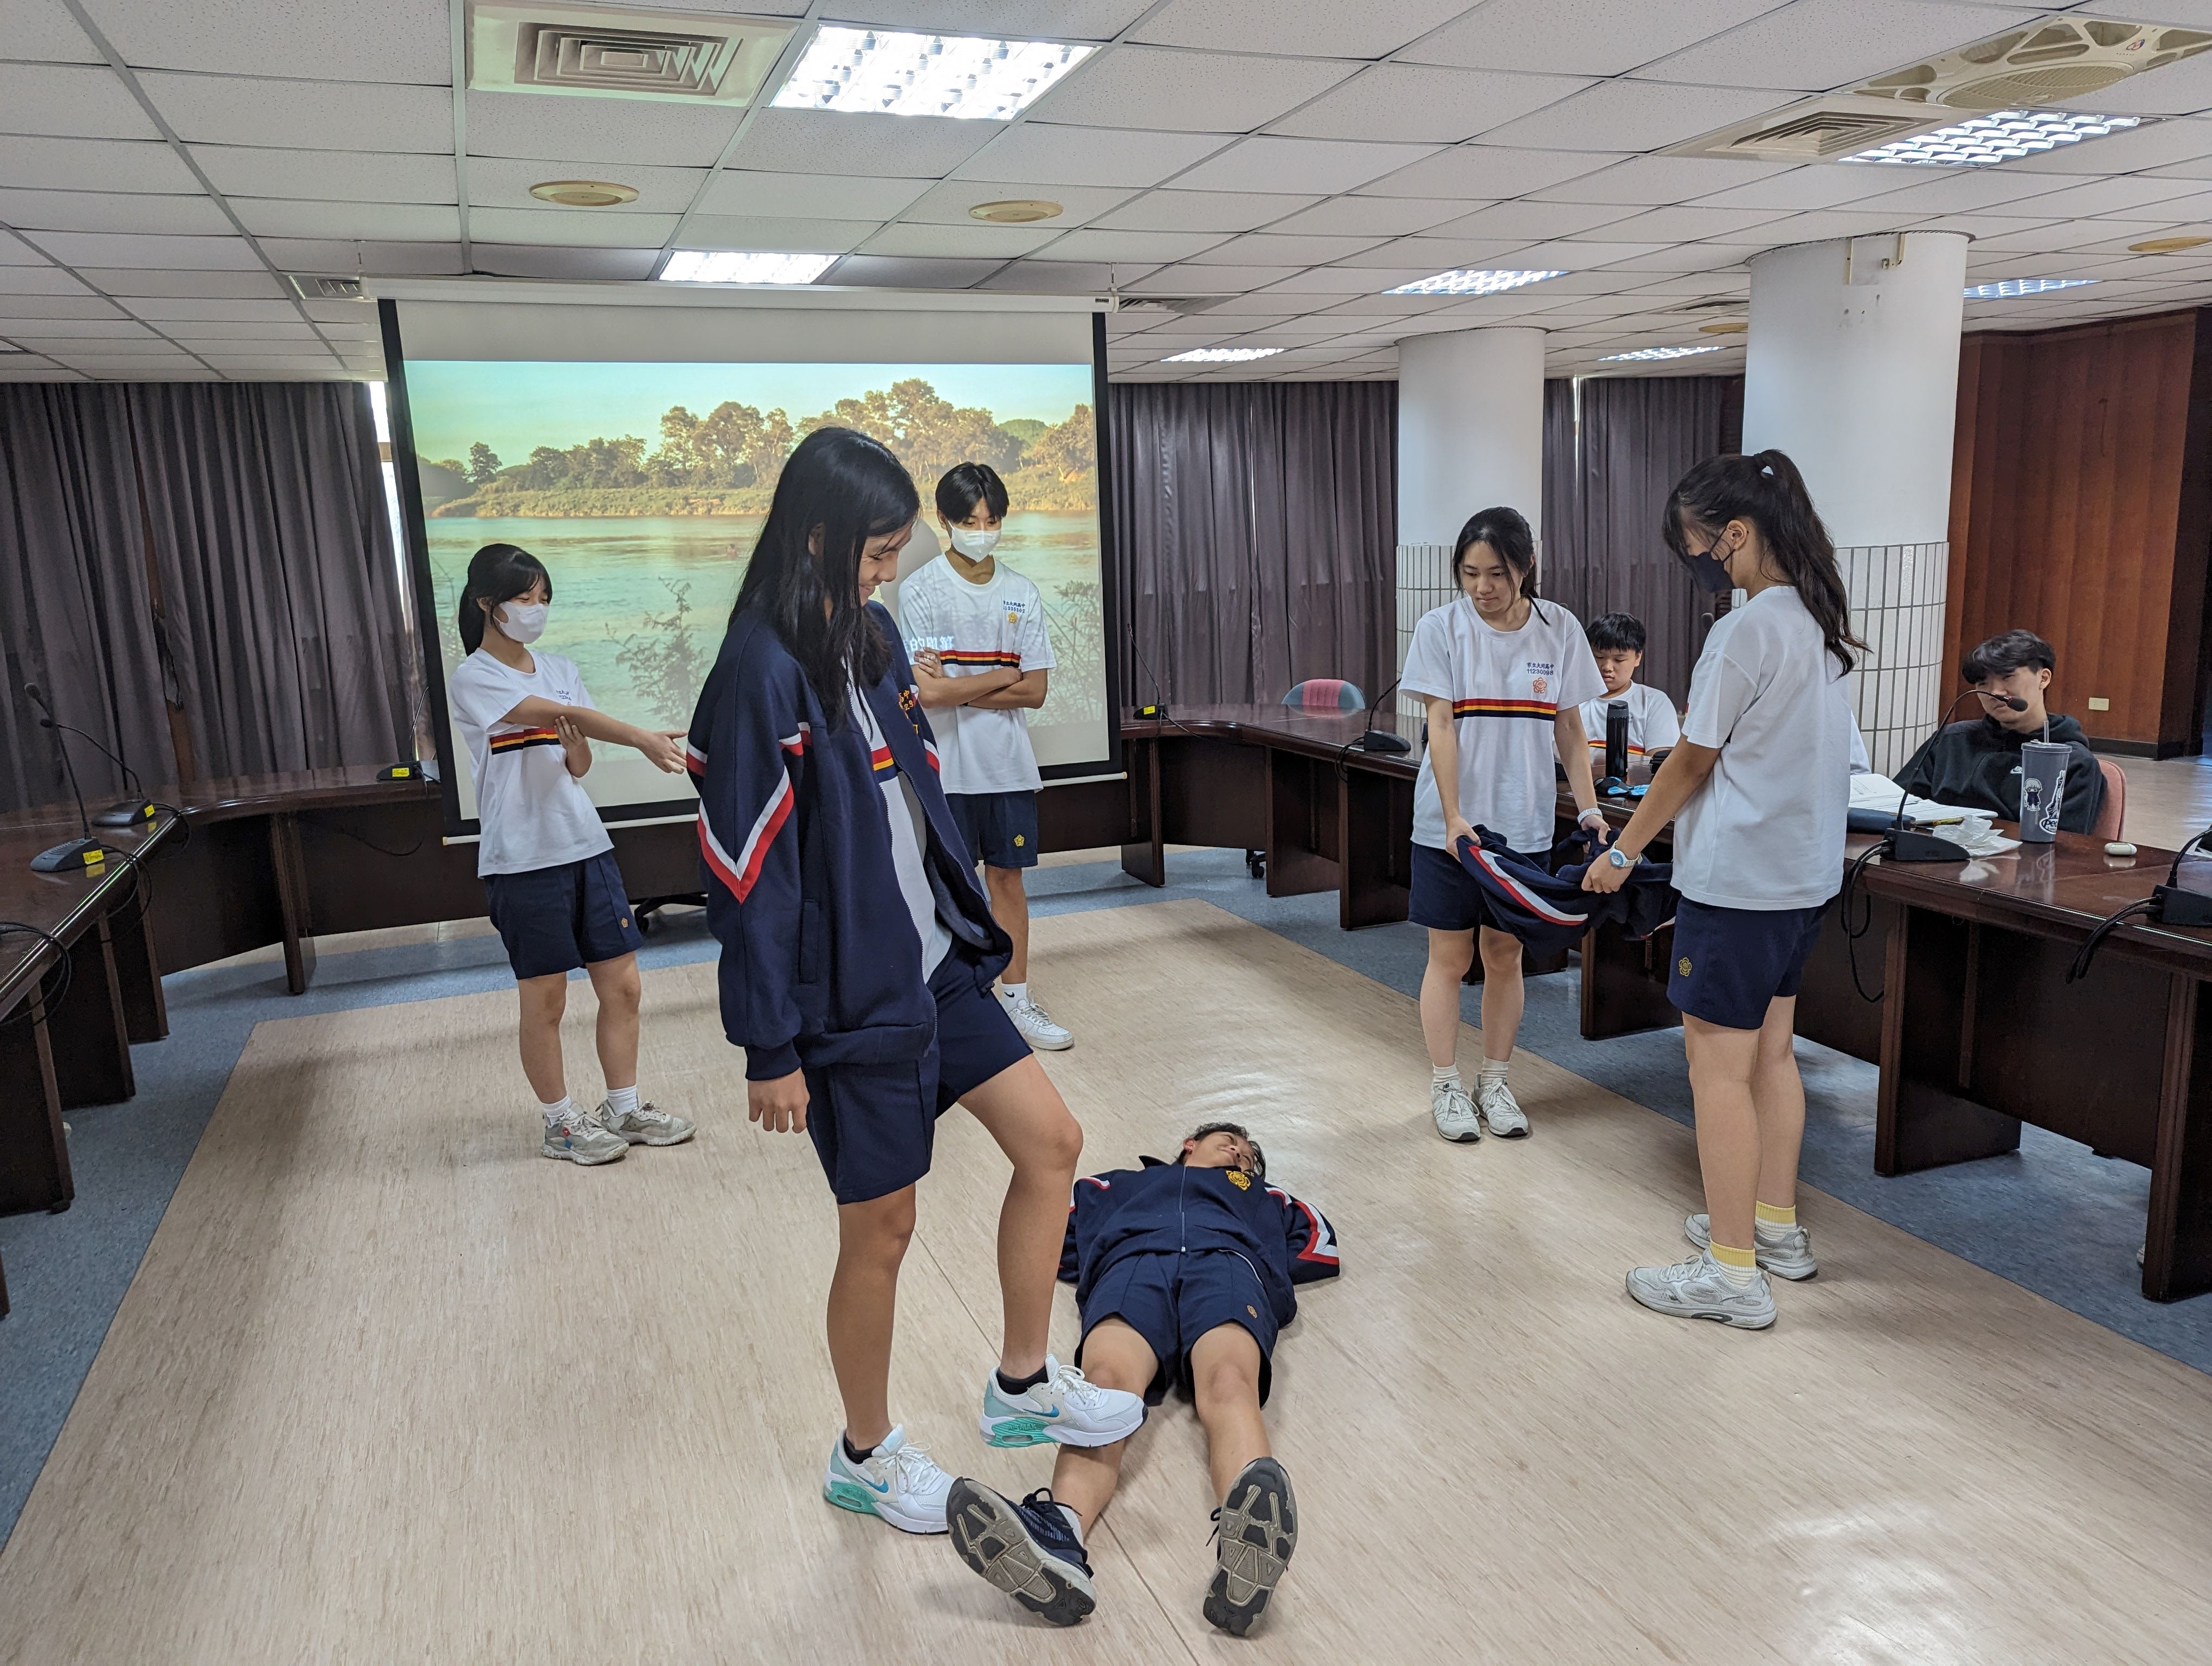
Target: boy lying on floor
{"type": "Point", "coordinates": [1182, 1268]}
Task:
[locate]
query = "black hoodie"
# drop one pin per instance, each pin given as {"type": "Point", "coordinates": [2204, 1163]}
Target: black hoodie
{"type": "Point", "coordinates": [1976, 765]}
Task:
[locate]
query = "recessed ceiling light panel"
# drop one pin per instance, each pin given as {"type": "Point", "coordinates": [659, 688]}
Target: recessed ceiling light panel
{"type": "Point", "coordinates": [1221, 354]}
{"type": "Point", "coordinates": [584, 193]}
{"type": "Point", "coordinates": [1649, 353]}
{"type": "Point", "coordinates": [2024, 286]}
{"type": "Point", "coordinates": [886, 72]}
{"type": "Point", "coordinates": [2002, 136]}
{"type": "Point", "coordinates": [744, 266]}
{"type": "Point", "coordinates": [1470, 283]}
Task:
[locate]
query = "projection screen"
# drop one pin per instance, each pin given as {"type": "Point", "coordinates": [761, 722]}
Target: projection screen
{"type": "Point", "coordinates": [634, 451]}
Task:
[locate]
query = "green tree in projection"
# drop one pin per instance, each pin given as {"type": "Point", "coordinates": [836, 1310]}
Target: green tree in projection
{"type": "Point", "coordinates": [1069, 449]}
{"type": "Point", "coordinates": [733, 446]}
{"type": "Point", "coordinates": [663, 661]}
{"type": "Point", "coordinates": [483, 464]}
{"type": "Point", "coordinates": [929, 432]}
{"type": "Point", "coordinates": [453, 465]}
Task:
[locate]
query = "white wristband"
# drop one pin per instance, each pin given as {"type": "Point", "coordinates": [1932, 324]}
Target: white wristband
{"type": "Point", "coordinates": [1584, 818]}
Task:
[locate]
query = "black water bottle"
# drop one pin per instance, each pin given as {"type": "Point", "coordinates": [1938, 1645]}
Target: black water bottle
{"type": "Point", "coordinates": [1616, 740]}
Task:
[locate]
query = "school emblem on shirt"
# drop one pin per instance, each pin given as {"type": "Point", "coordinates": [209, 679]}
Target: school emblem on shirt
{"type": "Point", "coordinates": [1012, 617]}
{"type": "Point", "coordinates": [1240, 1180]}
{"type": "Point", "coordinates": [1538, 685]}
{"type": "Point", "coordinates": [1683, 966]}
{"type": "Point", "coordinates": [1251, 1310]}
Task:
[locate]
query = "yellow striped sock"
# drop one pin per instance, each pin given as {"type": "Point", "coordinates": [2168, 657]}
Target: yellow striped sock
{"type": "Point", "coordinates": [1743, 1260]}
{"type": "Point", "coordinates": [1768, 1214]}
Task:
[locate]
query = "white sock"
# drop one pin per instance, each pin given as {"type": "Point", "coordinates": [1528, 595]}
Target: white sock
{"type": "Point", "coordinates": [621, 1101]}
{"type": "Point", "coordinates": [1444, 1075]}
{"type": "Point", "coordinates": [555, 1113]}
{"type": "Point", "coordinates": [1742, 1277]}
{"type": "Point", "coordinates": [1493, 1070]}
{"type": "Point", "coordinates": [1015, 993]}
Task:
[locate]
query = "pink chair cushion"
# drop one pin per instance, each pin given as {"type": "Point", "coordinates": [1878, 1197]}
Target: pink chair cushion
{"type": "Point", "coordinates": [2113, 815]}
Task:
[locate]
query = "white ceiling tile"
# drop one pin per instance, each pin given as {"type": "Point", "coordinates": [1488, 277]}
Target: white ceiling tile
{"type": "Point", "coordinates": [234, 363]}
{"type": "Point", "coordinates": [106, 248]}
{"type": "Point", "coordinates": [948, 203]}
{"type": "Point", "coordinates": [1657, 181]}
{"type": "Point", "coordinates": [1688, 225]}
{"type": "Point", "coordinates": [411, 40]}
{"type": "Point", "coordinates": [1943, 190]}
{"type": "Point", "coordinates": [324, 312]}
{"type": "Point", "coordinates": [1147, 86]}
{"type": "Point", "coordinates": [226, 349]}
{"type": "Point", "coordinates": [774, 233]}
{"type": "Point", "coordinates": [307, 115]}
{"type": "Point", "coordinates": [2196, 205]}
{"type": "Point", "coordinates": [1528, 220]}
{"type": "Point", "coordinates": [1319, 281]}
{"type": "Point", "coordinates": [43, 32]}
{"type": "Point", "coordinates": [1190, 279]}
{"type": "Point", "coordinates": [1096, 243]}
{"type": "Point", "coordinates": [1816, 226]}
{"type": "Point", "coordinates": [1579, 36]}
{"type": "Point", "coordinates": [973, 241]}
{"type": "Point", "coordinates": [1220, 211]}
{"type": "Point", "coordinates": [1282, 249]}
{"type": "Point", "coordinates": [147, 280]}
{"type": "Point", "coordinates": [1063, 277]}
{"type": "Point", "coordinates": [1421, 103]}
{"type": "Point", "coordinates": [1378, 216]}
{"type": "Point", "coordinates": [164, 308]}
{"type": "Point", "coordinates": [33, 367]}
{"type": "Point", "coordinates": [200, 330]}
{"type": "Point", "coordinates": [14, 252]}
{"type": "Point", "coordinates": [1305, 165]}
{"type": "Point", "coordinates": [503, 182]}
{"type": "Point", "coordinates": [1370, 29]}
{"type": "Point", "coordinates": [1794, 190]}
{"type": "Point", "coordinates": [2138, 196]}
{"type": "Point", "coordinates": [1811, 46]}
{"type": "Point", "coordinates": [1086, 156]}
{"type": "Point", "coordinates": [420, 223]}
{"type": "Point", "coordinates": [43, 164]}
{"type": "Point", "coordinates": [2153, 145]}
{"type": "Point", "coordinates": [1486, 171]}
{"type": "Point", "coordinates": [1632, 115]}
{"type": "Point", "coordinates": [1973, 225]}
{"type": "Point", "coordinates": [1439, 255]}
{"type": "Point", "coordinates": [808, 196]}
{"type": "Point", "coordinates": [357, 176]}
{"type": "Point", "coordinates": [1044, 20]}
{"type": "Point", "coordinates": [78, 306]}
{"type": "Point", "coordinates": [1688, 258]}
{"type": "Point", "coordinates": [301, 254]}
{"type": "Point", "coordinates": [618, 129]}
{"type": "Point", "coordinates": [875, 272]}
{"type": "Point", "coordinates": [70, 102]}
{"type": "Point", "coordinates": [39, 281]}
{"type": "Point", "coordinates": [100, 211]}
{"type": "Point", "coordinates": [580, 227]}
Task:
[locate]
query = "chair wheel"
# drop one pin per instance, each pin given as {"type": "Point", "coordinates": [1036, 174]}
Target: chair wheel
{"type": "Point", "coordinates": [1255, 864]}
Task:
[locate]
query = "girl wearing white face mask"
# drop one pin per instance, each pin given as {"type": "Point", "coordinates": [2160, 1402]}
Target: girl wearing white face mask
{"type": "Point", "coordinates": [547, 863]}
{"type": "Point", "coordinates": [981, 661]}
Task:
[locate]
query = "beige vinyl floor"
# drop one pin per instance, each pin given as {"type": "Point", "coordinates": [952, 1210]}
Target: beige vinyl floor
{"type": "Point", "coordinates": [390, 1386]}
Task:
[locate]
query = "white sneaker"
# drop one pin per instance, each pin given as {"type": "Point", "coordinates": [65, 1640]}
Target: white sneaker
{"type": "Point", "coordinates": [1035, 1023]}
{"type": "Point", "coordinates": [1790, 1256]}
{"type": "Point", "coordinates": [1454, 1113]}
{"type": "Point", "coordinates": [1700, 1288]}
{"type": "Point", "coordinates": [898, 1482]}
{"type": "Point", "coordinates": [1495, 1100]}
{"type": "Point", "coordinates": [578, 1137]}
{"type": "Point", "coordinates": [1067, 1407]}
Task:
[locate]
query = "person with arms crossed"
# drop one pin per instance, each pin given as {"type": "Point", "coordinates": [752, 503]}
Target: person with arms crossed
{"type": "Point", "coordinates": [982, 661]}
{"type": "Point", "coordinates": [1503, 676]}
{"type": "Point", "coordinates": [1756, 790]}
{"type": "Point", "coordinates": [857, 961]}
{"type": "Point", "coordinates": [1616, 642]}
{"type": "Point", "coordinates": [555, 893]}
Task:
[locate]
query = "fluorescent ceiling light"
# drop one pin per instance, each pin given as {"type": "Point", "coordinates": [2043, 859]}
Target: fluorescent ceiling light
{"type": "Point", "coordinates": [883, 72]}
{"type": "Point", "coordinates": [2024, 286]}
{"type": "Point", "coordinates": [1657, 353]}
{"type": "Point", "coordinates": [2002, 136]}
{"type": "Point", "coordinates": [1220, 354]}
{"type": "Point", "coordinates": [1470, 283]}
{"type": "Point", "coordinates": [744, 266]}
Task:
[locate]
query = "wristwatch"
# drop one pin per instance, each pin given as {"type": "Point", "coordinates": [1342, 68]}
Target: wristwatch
{"type": "Point", "coordinates": [1614, 856]}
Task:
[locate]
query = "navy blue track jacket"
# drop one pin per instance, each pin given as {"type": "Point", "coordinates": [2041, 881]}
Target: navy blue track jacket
{"type": "Point", "coordinates": [1544, 904]}
{"type": "Point", "coordinates": [1169, 1208]}
{"type": "Point", "coordinates": [820, 964]}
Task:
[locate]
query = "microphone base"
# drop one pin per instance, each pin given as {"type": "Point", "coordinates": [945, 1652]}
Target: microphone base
{"type": "Point", "coordinates": [132, 814]}
{"type": "Point", "coordinates": [75, 857]}
{"type": "Point", "coordinates": [1906, 846]}
{"type": "Point", "coordinates": [1381, 741]}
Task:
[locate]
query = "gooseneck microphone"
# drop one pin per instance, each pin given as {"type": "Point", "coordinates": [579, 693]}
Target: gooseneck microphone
{"type": "Point", "coordinates": [1904, 844]}
{"type": "Point", "coordinates": [131, 811]}
{"type": "Point", "coordinates": [73, 855]}
{"type": "Point", "coordinates": [1373, 739]}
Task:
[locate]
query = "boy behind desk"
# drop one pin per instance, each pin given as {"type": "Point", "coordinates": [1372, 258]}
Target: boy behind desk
{"type": "Point", "coordinates": [1617, 641]}
{"type": "Point", "coordinates": [1976, 764]}
{"type": "Point", "coordinates": [1183, 1272]}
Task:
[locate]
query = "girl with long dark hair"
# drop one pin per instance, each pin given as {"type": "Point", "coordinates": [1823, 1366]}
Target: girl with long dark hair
{"type": "Point", "coordinates": [1756, 790]}
{"type": "Point", "coordinates": [548, 866]}
{"type": "Point", "coordinates": [1503, 675]}
{"type": "Point", "coordinates": [858, 957]}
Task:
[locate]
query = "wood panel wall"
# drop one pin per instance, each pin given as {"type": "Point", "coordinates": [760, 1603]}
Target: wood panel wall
{"type": "Point", "coordinates": [2081, 508]}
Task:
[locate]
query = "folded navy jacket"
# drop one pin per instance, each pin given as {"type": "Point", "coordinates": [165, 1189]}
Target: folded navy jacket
{"type": "Point", "coordinates": [1543, 903]}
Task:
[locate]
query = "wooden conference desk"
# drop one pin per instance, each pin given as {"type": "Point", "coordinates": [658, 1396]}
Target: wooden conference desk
{"type": "Point", "coordinates": [1977, 1031]}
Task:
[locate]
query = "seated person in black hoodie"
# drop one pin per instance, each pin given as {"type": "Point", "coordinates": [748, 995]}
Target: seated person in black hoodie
{"type": "Point", "coordinates": [1181, 1270]}
{"type": "Point", "coordinates": [1976, 764]}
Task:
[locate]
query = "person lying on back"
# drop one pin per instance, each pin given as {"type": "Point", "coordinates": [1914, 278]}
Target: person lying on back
{"type": "Point", "coordinates": [1976, 764]}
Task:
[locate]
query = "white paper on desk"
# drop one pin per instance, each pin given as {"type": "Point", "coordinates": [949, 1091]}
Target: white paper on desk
{"type": "Point", "coordinates": [1971, 831]}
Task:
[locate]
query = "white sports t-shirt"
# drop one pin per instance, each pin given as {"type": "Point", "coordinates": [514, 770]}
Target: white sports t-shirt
{"type": "Point", "coordinates": [909, 830]}
{"type": "Point", "coordinates": [1652, 724]}
{"type": "Point", "coordinates": [1506, 687]}
{"type": "Point", "coordinates": [978, 628]}
{"type": "Point", "coordinates": [533, 812]}
{"type": "Point", "coordinates": [1766, 831]}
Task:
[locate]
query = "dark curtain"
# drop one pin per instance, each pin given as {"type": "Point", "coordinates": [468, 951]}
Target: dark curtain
{"type": "Point", "coordinates": [1636, 438]}
{"type": "Point", "coordinates": [1255, 536]}
{"type": "Point", "coordinates": [202, 571]}
{"type": "Point", "coordinates": [1560, 570]}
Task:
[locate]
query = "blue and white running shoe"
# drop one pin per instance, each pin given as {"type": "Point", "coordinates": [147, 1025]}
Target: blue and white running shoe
{"type": "Point", "coordinates": [1029, 1550]}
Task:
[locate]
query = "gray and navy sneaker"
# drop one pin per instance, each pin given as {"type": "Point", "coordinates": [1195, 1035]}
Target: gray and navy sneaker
{"type": "Point", "coordinates": [1067, 1407]}
{"type": "Point", "coordinates": [1789, 1256]}
{"type": "Point", "coordinates": [648, 1125]}
{"type": "Point", "coordinates": [1029, 1550]}
{"type": "Point", "coordinates": [897, 1481]}
{"type": "Point", "coordinates": [1255, 1532]}
{"type": "Point", "coordinates": [578, 1136]}
{"type": "Point", "coordinates": [1700, 1288]}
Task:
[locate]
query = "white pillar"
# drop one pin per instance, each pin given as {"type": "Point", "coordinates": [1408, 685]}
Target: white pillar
{"type": "Point", "coordinates": [1470, 435]}
{"type": "Point", "coordinates": [1852, 367]}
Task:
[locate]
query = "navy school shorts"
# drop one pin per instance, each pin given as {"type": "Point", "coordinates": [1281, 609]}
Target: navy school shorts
{"type": "Point", "coordinates": [872, 1124]}
{"type": "Point", "coordinates": [999, 828]}
{"type": "Point", "coordinates": [554, 920]}
{"type": "Point", "coordinates": [1729, 962]}
{"type": "Point", "coordinates": [1445, 897]}
{"type": "Point", "coordinates": [1172, 1300]}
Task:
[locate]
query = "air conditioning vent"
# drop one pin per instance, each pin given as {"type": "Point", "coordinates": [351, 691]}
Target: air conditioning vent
{"type": "Point", "coordinates": [2059, 59]}
{"type": "Point", "coordinates": [1812, 131]}
{"type": "Point", "coordinates": [590, 52]}
{"type": "Point", "coordinates": [312, 288]}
